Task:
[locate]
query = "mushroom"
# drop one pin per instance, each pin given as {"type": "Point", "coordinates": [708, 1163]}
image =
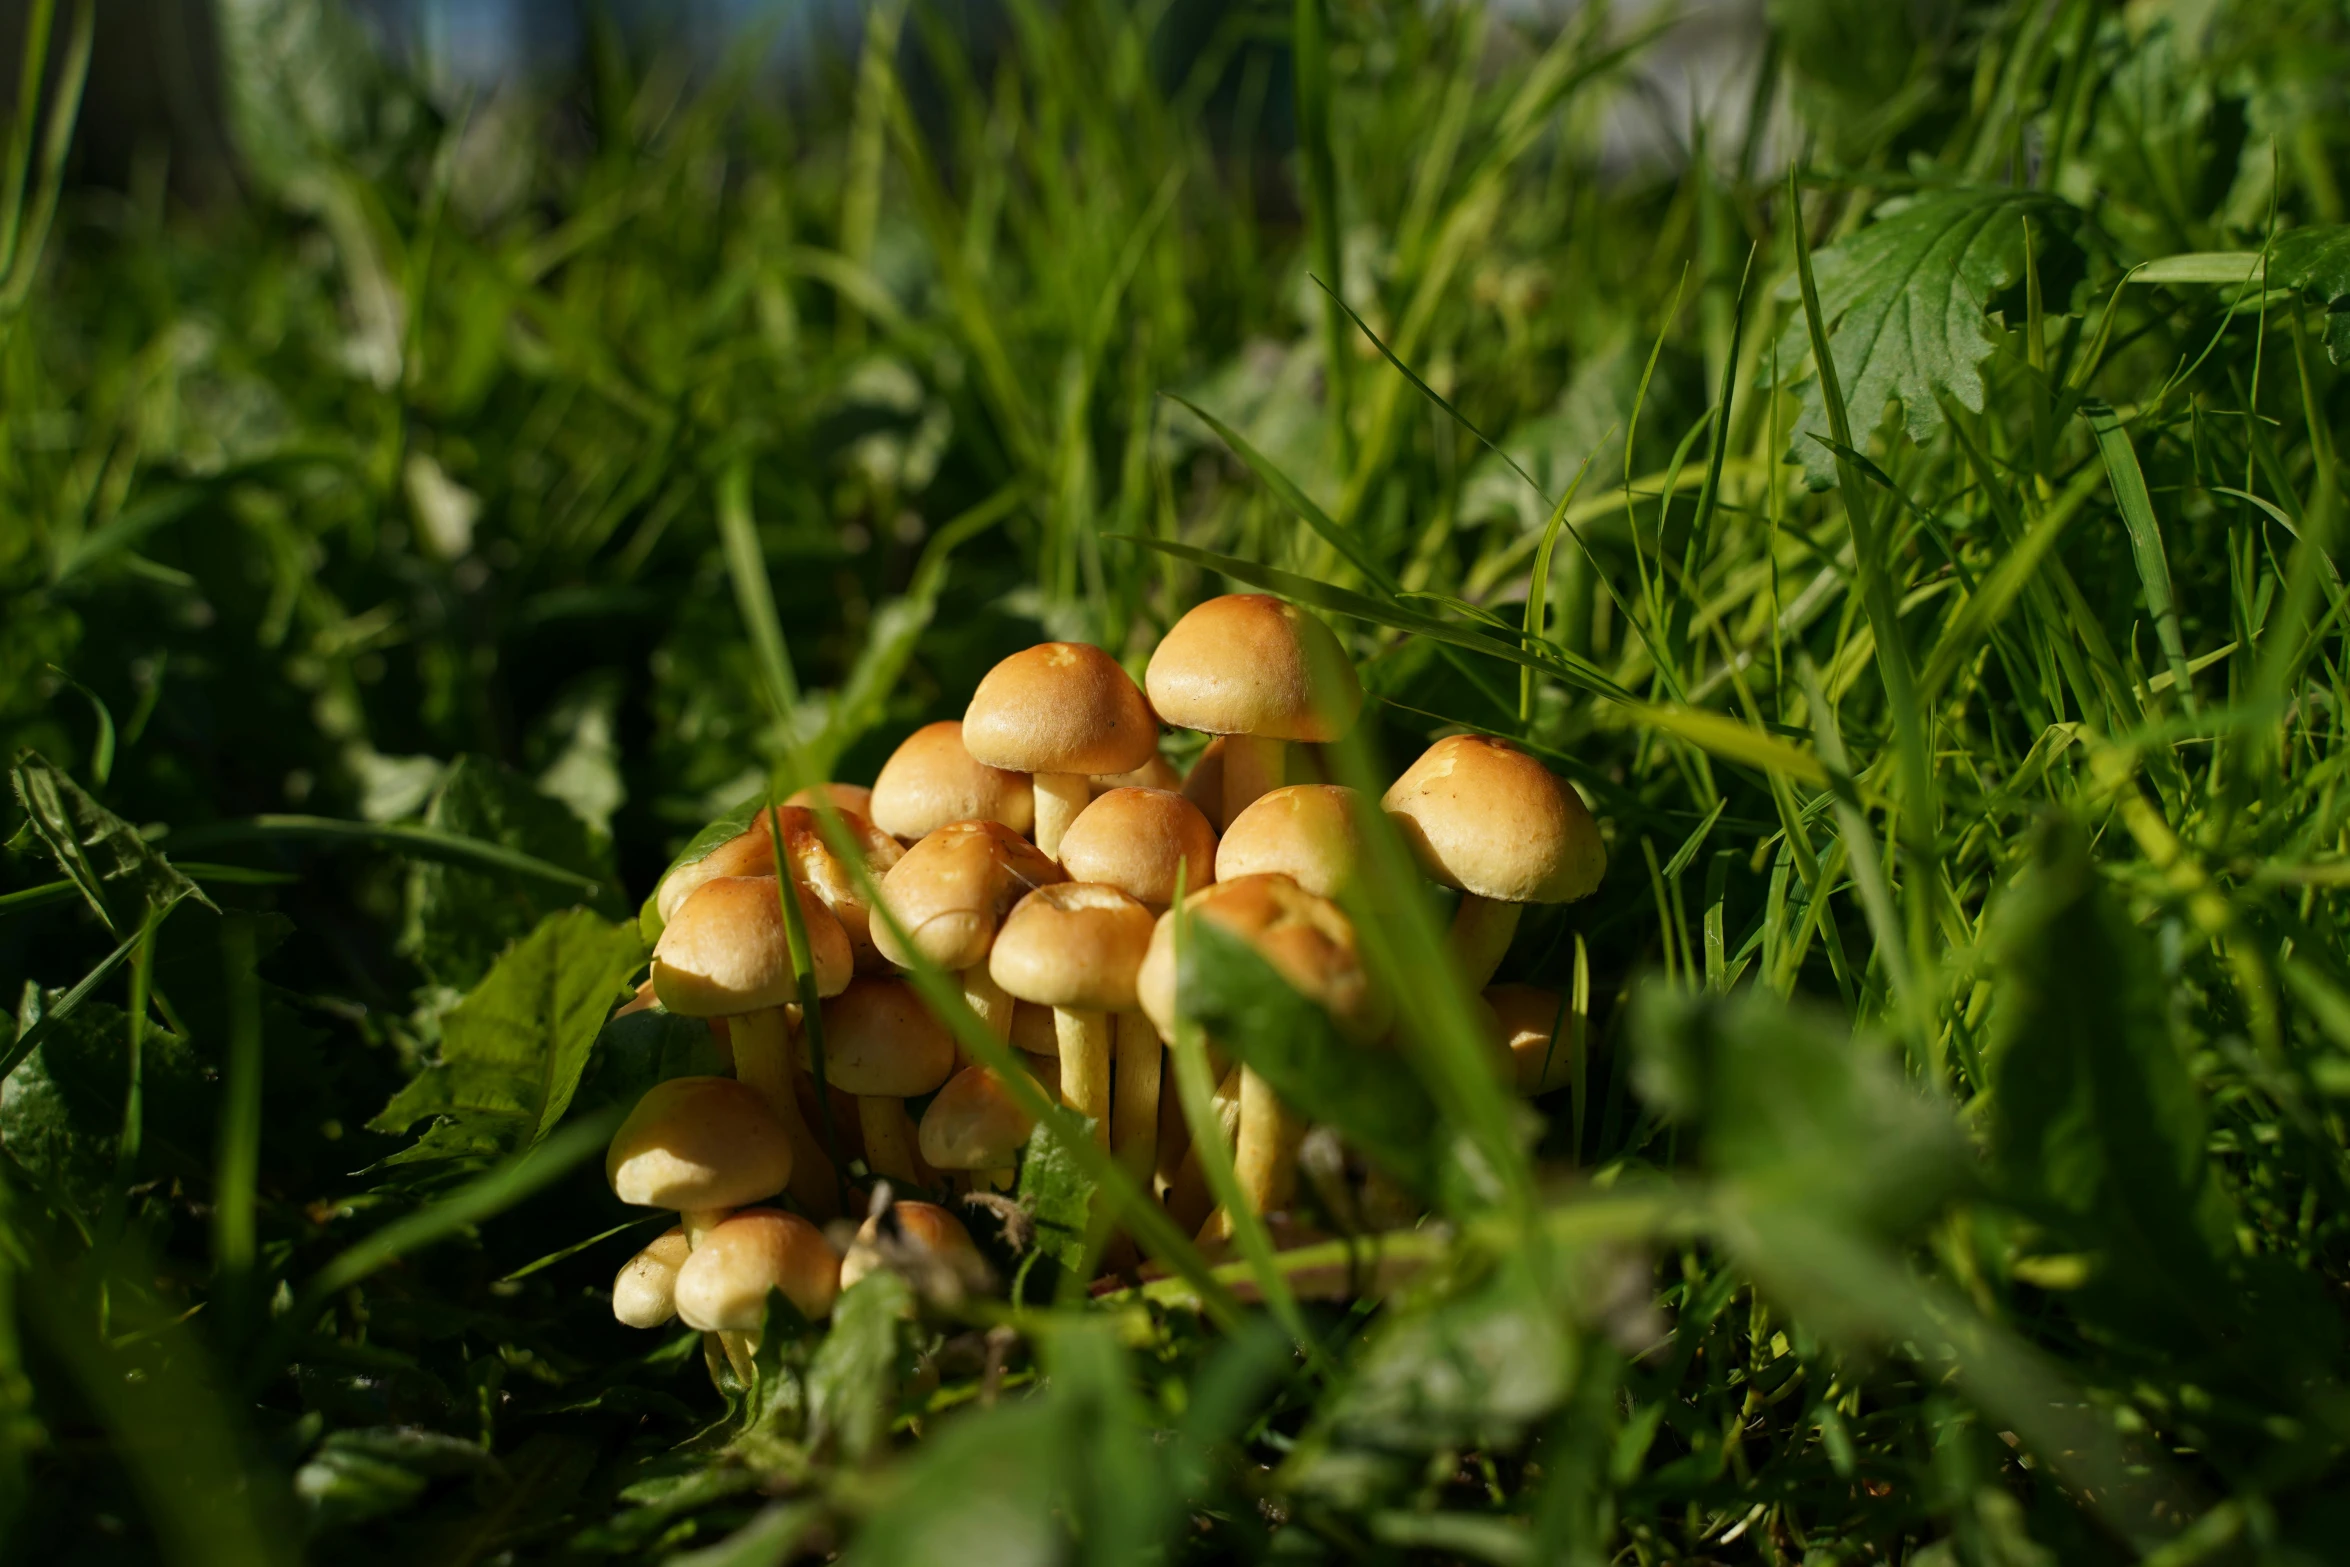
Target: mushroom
{"type": "Point", "coordinates": [698, 1146]}
{"type": "Point", "coordinates": [1483, 816]}
{"type": "Point", "coordinates": [975, 1124]}
{"type": "Point", "coordinates": [1157, 773]}
{"type": "Point", "coordinates": [1259, 672]}
{"type": "Point", "coordinates": [1138, 841]}
{"type": "Point", "coordinates": [751, 852]}
{"type": "Point", "coordinates": [723, 1286]}
{"type": "Point", "coordinates": [1075, 947]}
{"type": "Point", "coordinates": [1312, 946]}
{"type": "Point", "coordinates": [1533, 1024]}
{"type": "Point", "coordinates": [1203, 786]}
{"type": "Point", "coordinates": [1306, 832]}
{"type": "Point", "coordinates": [883, 1045]}
{"type": "Point", "coordinates": [919, 1239]}
{"type": "Point", "coordinates": [931, 780]}
{"type": "Point", "coordinates": [644, 1294]}
{"type": "Point", "coordinates": [726, 955]}
{"type": "Point", "coordinates": [848, 799]}
{"type": "Point", "coordinates": [1060, 711]}
{"type": "Point", "coordinates": [950, 892]}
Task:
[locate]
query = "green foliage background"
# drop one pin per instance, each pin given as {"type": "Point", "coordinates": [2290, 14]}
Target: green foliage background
{"type": "Point", "coordinates": [404, 561]}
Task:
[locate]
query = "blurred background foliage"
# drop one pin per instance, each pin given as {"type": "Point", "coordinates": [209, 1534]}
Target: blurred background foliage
{"type": "Point", "coordinates": [399, 410]}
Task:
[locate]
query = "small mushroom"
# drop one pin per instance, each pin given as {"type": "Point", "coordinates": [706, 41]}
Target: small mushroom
{"type": "Point", "coordinates": [1203, 786]}
{"type": "Point", "coordinates": [644, 1294]}
{"type": "Point", "coordinates": [975, 1124]}
{"type": "Point", "coordinates": [921, 1240]}
{"type": "Point", "coordinates": [883, 1045]}
{"type": "Point", "coordinates": [1139, 841]}
{"type": "Point", "coordinates": [723, 1286]}
{"type": "Point", "coordinates": [698, 1146]}
{"type": "Point", "coordinates": [1306, 832]}
{"type": "Point", "coordinates": [1261, 673]}
{"type": "Point", "coordinates": [1484, 817]}
{"type": "Point", "coordinates": [848, 799]}
{"type": "Point", "coordinates": [931, 780]}
{"type": "Point", "coordinates": [1060, 711]}
{"type": "Point", "coordinates": [949, 894]}
{"type": "Point", "coordinates": [1075, 947]}
{"type": "Point", "coordinates": [751, 852]}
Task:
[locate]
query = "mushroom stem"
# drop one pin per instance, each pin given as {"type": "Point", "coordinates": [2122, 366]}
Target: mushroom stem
{"type": "Point", "coordinates": [1480, 936]}
{"type": "Point", "coordinates": [1266, 1159]}
{"type": "Point", "coordinates": [699, 1222]}
{"type": "Point", "coordinates": [1253, 765]}
{"type": "Point", "coordinates": [1059, 797]}
{"type": "Point", "coordinates": [763, 1059]}
{"type": "Point", "coordinates": [1188, 1197]}
{"type": "Point", "coordinates": [1134, 1110]}
{"type": "Point", "coordinates": [1085, 1064]}
{"type": "Point", "coordinates": [889, 1138]}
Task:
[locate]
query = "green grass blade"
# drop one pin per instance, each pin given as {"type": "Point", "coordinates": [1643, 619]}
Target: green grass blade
{"type": "Point", "coordinates": [1287, 492]}
{"type": "Point", "coordinates": [406, 838]}
{"type": "Point", "coordinates": [754, 595]}
{"type": "Point", "coordinates": [2137, 509]}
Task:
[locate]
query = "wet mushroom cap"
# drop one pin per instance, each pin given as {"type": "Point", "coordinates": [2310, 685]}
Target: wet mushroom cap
{"type": "Point", "coordinates": [694, 1143]}
{"type": "Point", "coordinates": [920, 1227]}
{"type": "Point", "coordinates": [881, 1041]}
{"type": "Point", "coordinates": [1483, 816]}
{"type": "Point", "coordinates": [1305, 938]}
{"type": "Point", "coordinates": [954, 887]}
{"type": "Point", "coordinates": [1075, 945]}
{"type": "Point", "coordinates": [1138, 840]}
{"type": "Point", "coordinates": [1306, 832]}
{"type": "Point", "coordinates": [1060, 707]}
{"type": "Point", "coordinates": [931, 780]}
{"type": "Point", "coordinates": [974, 1124]}
{"type": "Point", "coordinates": [726, 952]}
{"type": "Point", "coordinates": [723, 1286]}
{"type": "Point", "coordinates": [1252, 664]}
{"type": "Point", "coordinates": [644, 1294]}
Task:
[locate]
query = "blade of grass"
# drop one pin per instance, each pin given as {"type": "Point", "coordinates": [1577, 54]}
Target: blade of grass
{"type": "Point", "coordinates": [2137, 509]}
{"type": "Point", "coordinates": [754, 595]}
{"type": "Point", "coordinates": [1287, 492]}
{"type": "Point", "coordinates": [410, 839]}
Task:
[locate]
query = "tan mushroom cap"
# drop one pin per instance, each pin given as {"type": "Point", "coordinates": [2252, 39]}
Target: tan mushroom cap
{"type": "Point", "coordinates": [1306, 832]}
{"type": "Point", "coordinates": [1060, 707]}
{"type": "Point", "coordinates": [694, 1143]}
{"type": "Point", "coordinates": [751, 852]}
{"type": "Point", "coordinates": [954, 887]}
{"type": "Point", "coordinates": [881, 1041]}
{"type": "Point", "coordinates": [1305, 938]}
{"type": "Point", "coordinates": [974, 1123]}
{"type": "Point", "coordinates": [1483, 816]}
{"type": "Point", "coordinates": [1524, 1016]}
{"type": "Point", "coordinates": [1252, 664]}
{"type": "Point", "coordinates": [727, 952]}
{"type": "Point", "coordinates": [1157, 773]}
{"type": "Point", "coordinates": [921, 1227]}
{"type": "Point", "coordinates": [1138, 840]}
{"type": "Point", "coordinates": [848, 799]}
{"type": "Point", "coordinates": [722, 1288]}
{"type": "Point", "coordinates": [1074, 945]}
{"type": "Point", "coordinates": [644, 1293]}
{"type": "Point", "coordinates": [931, 780]}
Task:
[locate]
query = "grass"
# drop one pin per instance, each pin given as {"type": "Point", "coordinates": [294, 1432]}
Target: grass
{"type": "Point", "coordinates": [404, 562]}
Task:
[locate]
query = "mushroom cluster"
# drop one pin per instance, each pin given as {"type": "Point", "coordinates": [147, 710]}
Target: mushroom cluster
{"type": "Point", "coordinates": [1035, 849]}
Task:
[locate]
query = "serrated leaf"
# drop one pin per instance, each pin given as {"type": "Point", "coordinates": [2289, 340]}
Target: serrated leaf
{"type": "Point", "coordinates": [1905, 300]}
{"type": "Point", "coordinates": [120, 874]}
{"type": "Point", "coordinates": [513, 1050]}
{"type": "Point", "coordinates": [459, 918]}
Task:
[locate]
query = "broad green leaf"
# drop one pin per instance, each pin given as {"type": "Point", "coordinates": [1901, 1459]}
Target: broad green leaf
{"type": "Point", "coordinates": [1905, 299]}
{"type": "Point", "coordinates": [114, 868]}
{"type": "Point", "coordinates": [1121, 1494]}
{"type": "Point", "coordinates": [1058, 1195]}
{"type": "Point", "coordinates": [633, 1053]}
{"type": "Point", "coordinates": [983, 1489]}
{"type": "Point", "coordinates": [513, 1050]}
{"type": "Point", "coordinates": [776, 1536]}
{"type": "Point", "coordinates": [852, 1381]}
{"type": "Point", "coordinates": [61, 1109]}
{"type": "Point", "coordinates": [459, 918]}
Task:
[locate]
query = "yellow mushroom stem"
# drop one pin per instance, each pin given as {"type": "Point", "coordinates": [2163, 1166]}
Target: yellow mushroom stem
{"type": "Point", "coordinates": [1059, 797]}
{"type": "Point", "coordinates": [889, 1138]}
{"type": "Point", "coordinates": [1085, 1040]}
{"type": "Point", "coordinates": [1253, 766]}
{"type": "Point", "coordinates": [1134, 1113]}
{"type": "Point", "coordinates": [1480, 936]}
{"type": "Point", "coordinates": [1265, 1160]}
{"type": "Point", "coordinates": [763, 1058]}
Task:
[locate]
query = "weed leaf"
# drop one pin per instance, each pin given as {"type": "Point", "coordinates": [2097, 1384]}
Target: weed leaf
{"type": "Point", "coordinates": [115, 869]}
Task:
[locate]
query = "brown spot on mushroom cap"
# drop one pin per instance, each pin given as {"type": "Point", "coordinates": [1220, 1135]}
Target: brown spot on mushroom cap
{"type": "Point", "coordinates": [1060, 707]}
{"type": "Point", "coordinates": [931, 780]}
{"type": "Point", "coordinates": [1483, 816]}
{"type": "Point", "coordinates": [698, 1142]}
{"type": "Point", "coordinates": [727, 952]}
{"type": "Point", "coordinates": [723, 1286]}
{"type": "Point", "coordinates": [954, 887]}
{"type": "Point", "coordinates": [1306, 832]}
{"type": "Point", "coordinates": [881, 1041]}
{"type": "Point", "coordinates": [1252, 664]}
{"type": "Point", "coordinates": [1138, 840]}
{"type": "Point", "coordinates": [1305, 938]}
{"type": "Point", "coordinates": [1074, 945]}
{"type": "Point", "coordinates": [973, 1123]}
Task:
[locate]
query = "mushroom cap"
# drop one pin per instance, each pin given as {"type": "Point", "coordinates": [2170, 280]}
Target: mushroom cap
{"type": "Point", "coordinates": [922, 1227]}
{"type": "Point", "coordinates": [881, 1041]}
{"type": "Point", "coordinates": [1524, 1016]}
{"type": "Point", "coordinates": [727, 952]}
{"type": "Point", "coordinates": [973, 1124]}
{"type": "Point", "coordinates": [1075, 944]}
{"type": "Point", "coordinates": [722, 1288]}
{"type": "Point", "coordinates": [698, 1142]}
{"type": "Point", "coordinates": [1306, 832]}
{"type": "Point", "coordinates": [1136, 840]}
{"type": "Point", "coordinates": [751, 852]}
{"type": "Point", "coordinates": [1483, 816]}
{"type": "Point", "coordinates": [930, 780]}
{"type": "Point", "coordinates": [1203, 786]}
{"type": "Point", "coordinates": [954, 887]}
{"type": "Point", "coordinates": [1252, 664]}
{"type": "Point", "coordinates": [1033, 1032]}
{"type": "Point", "coordinates": [848, 799]}
{"type": "Point", "coordinates": [1157, 773]}
{"type": "Point", "coordinates": [1060, 707]}
{"type": "Point", "coordinates": [644, 1294]}
{"type": "Point", "coordinates": [1305, 938]}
